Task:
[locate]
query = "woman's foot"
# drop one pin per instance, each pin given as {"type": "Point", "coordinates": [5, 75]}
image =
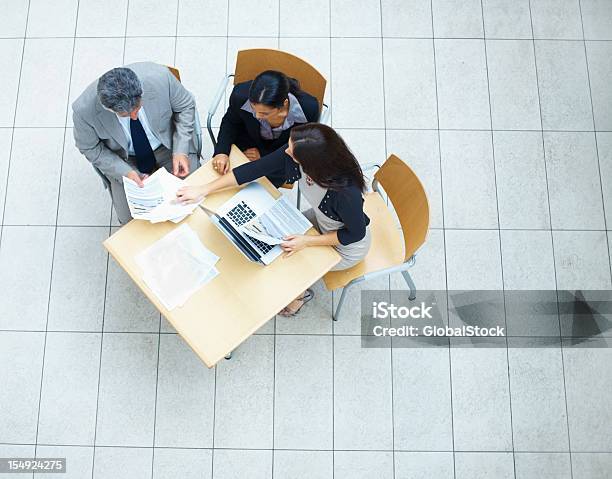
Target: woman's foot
{"type": "Point", "coordinates": [295, 306]}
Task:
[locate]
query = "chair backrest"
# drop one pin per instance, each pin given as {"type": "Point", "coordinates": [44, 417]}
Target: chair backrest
{"type": "Point", "coordinates": [409, 201]}
{"type": "Point", "coordinates": [175, 72]}
{"type": "Point", "coordinates": [250, 63]}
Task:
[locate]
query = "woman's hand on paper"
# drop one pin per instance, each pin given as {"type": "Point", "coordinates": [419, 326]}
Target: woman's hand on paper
{"type": "Point", "coordinates": [221, 163]}
{"type": "Point", "coordinates": [191, 194]}
{"type": "Point", "coordinates": [293, 244]}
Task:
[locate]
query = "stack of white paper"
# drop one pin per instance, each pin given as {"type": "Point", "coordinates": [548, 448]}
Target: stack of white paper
{"type": "Point", "coordinates": [156, 200]}
{"type": "Point", "coordinates": [176, 266]}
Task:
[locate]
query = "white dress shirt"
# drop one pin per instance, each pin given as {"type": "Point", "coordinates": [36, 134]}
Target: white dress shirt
{"type": "Point", "coordinates": [125, 124]}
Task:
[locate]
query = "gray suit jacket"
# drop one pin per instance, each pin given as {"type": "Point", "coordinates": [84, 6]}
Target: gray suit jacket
{"type": "Point", "coordinates": [171, 111]}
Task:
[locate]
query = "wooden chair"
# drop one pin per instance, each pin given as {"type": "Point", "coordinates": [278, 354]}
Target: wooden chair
{"type": "Point", "coordinates": [390, 251]}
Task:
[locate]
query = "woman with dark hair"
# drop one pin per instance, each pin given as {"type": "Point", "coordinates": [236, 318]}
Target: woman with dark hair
{"type": "Point", "coordinates": [332, 182]}
{"type": "Point", "coordinates": [260, 116]}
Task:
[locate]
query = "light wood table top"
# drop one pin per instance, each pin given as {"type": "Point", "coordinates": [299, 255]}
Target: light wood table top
{"type": "Point", "coordinates": [244, 296]}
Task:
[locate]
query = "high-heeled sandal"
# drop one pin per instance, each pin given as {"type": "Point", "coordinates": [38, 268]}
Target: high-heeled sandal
{"type": "Point", "coordinates": [287, 312]}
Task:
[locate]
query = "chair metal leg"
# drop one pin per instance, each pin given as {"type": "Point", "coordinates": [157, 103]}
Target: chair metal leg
{"type": "Point", "coordinates": [299, 196]}
{"type": "Point", "coordinates": [336, 314]}
{"type": "Point", "coordinates": [410, 284]}
{"type": "Point", "coordinates": [229, 356]}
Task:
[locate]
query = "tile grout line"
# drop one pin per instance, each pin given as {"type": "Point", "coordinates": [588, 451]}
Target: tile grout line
{"type": "Point", "coordinates": [333, 326]}
{"type": "Point", "coordinates": [499, 237]}
{"type": "Point", "coordinates": [552, 241]}
{"type": "Point", "coordinates": [603, 203]}
{"type": "Point", "coordinates": [59, 188]}
{"type": "Point", "coordinates": [450, 364]}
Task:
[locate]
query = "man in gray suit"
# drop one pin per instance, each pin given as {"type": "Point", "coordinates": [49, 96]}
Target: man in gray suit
{"type": "Point", "coordinates": [133, 120]}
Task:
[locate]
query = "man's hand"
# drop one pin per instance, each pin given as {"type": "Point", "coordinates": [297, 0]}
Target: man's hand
{"type": "Point", "coordinates": [180, 164]}
{"type": "Point", "coordinates": [252, 154]}
{"type": "Point", "coordinates": [221, 163]}
{"type": "Point", "coordinates": [293, 244]}
{"type": "Point", "coordinates": [136, 178]}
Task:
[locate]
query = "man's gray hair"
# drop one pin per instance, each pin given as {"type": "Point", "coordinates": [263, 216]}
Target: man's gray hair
{"type": "Point", "coordinates": [119, 90]}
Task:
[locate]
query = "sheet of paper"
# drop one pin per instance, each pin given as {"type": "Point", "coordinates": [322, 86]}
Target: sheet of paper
{"type": "Point", "coordinates": [176, 266]}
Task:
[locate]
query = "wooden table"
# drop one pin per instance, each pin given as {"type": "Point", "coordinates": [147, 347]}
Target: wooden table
{"type": "Point", "coordinates": [243, 297]}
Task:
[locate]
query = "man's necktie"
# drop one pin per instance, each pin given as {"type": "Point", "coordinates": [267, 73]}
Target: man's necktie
{"type": "Point", "coordinates": [145, 159]}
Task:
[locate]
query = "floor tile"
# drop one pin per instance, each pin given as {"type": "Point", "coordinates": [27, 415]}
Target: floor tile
{"type": "Point", "coordinates": [580, 258]}
{"type": "Point", "coordinates": [484, 465]}
{"type": "Point", "coordinates": [481, 401]}
{"type": "Point", "coordinates": [202, 78]}
{"type": "Point", "coordinates": [304, 19]}
{"type": "Point", "coordinates": [152, 17]}
{"type": "Point", "coordinates": [588, 387]}
{"type": "Point", "coordinates": [185, 396]}
{"type": "Point", "coordinates": [556, 19]}
{"type": "Point", "coordinates": [197, 17]}
{"type": "Point", "coordinates": [410, 90]}
{"type": "Point", "coordinates": [16, 450]}
{"type": "Point", "coordinates": [79, 460]}
{"type": "Point", "coordinates": [468, 179]}
{"type": "Point", "coordinates": [10, 56]}
{"type": "Point", "coordinates": [5, 149]}
{"type": "Point", "coordinates": [363, 465]}
{"type": "Point", "coordinates": [528, 260]}
{"type": "Point", "coordinates": [596, 19]}
{"type": "Point", "coordinates": [77, 294]}
{"type": "Point", "coordinates": [424, 465]}
{"type": "Point", "coordinates": [599, 57]}
{"type": "Point", "coordinates": [230, 464]}
{"type": "Point", "coordinates": [122, 463]}
{"type": "Point", "coordinates": [422, 415]}
{"type": "Point", "coordinates": [183, 463]}
{"type": "Point", "coordinates": [348, 21]}
{"type": "Point", "coordinates": [314, 318]}
{"type": "Point", "coordinates": [506, 18]}
{"type": "Point", "coordinates": [513, 85]}
{"type": "Point", "coordinates": [420, 150]}
{"type": "Point", "coordinates": [473, 260]}
{"type": "Point", "coordinates": [78, 175]}
{"type": "Point", "coordinates": [357, 104]}
{"type": "Point", "coordinates": [260, 22]}
{"type": "Point", "coordinates": [92, 58]}
{"type": "Point", "coordinates": [563, 85]}
{"type": "Point", "coordinates": [368, 146]}
{"type": "Point", "coordinates": [35, 106]}
{"type": "Point", "coordinates": [406, 18]}
{"type": "Point", "coordinates": [362, 409]}
{"type": "Point", "coordinates": [21, 355]}
{"type": "Point", "coordinates": [521, 180]}
{"type": "Point", "coordinates": [149, 49]}
{"type": "Point", "coordinates": [107, 19]}
{"type": "Point", "coordinates": [457, 18]}
{"type": "Point", "coordinates": [604, 149]}
{"type": "Point", "coordinates": [591, 466]}
{"type": "Point", "coordinates": [70, 383]}
{"type": "Point", "coordinates": [573, 181]}
{"type": "Point", "coordinates": [303, 464]}
{"type": "Point", "coordinates": [25, 275]}
{"type": "Point", "coordinates": [245, 396]}
{"type": "Point", "coordinates": [15, 14]}
{"type": "Point", "coordinates": [41, 147]}
{"type": "Point", "coordinates": [127, 308]}
{"type": "Point", "coordinates": [52, 19]}
{"type": "Point", "coordinates": [542, 465]}
{"type": "Point", "coordinates": [539, 420]}
{"type": "Point", "coordinates": [303, 393]}
{"type": "Point", "coordinates": [126, 400]}
{"type": "Point", "coordinates": [463, 98]}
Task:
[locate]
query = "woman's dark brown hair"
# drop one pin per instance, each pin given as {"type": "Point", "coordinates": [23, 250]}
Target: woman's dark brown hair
{"type": "Point", "coordinates": [325, 157]}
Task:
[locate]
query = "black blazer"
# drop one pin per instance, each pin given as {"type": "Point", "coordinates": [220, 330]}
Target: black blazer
{"type": "Point", "coordinates": [345, 204]}
{"type": "Point", "coordinates": [238, 124]}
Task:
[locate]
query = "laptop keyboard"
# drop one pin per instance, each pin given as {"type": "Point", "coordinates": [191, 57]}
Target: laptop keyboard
{"type": "Point", "coordinates": [241, 214]}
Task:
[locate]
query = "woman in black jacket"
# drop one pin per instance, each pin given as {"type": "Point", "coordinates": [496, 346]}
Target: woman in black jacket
{"type": "Point", "coordinates": [330, 179]}
{"type": "Point", "coordinates": [260, 116]}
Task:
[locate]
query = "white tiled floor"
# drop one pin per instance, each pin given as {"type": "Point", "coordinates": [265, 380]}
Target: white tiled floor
{"type": "Point", "coordinates": [512, 138]}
